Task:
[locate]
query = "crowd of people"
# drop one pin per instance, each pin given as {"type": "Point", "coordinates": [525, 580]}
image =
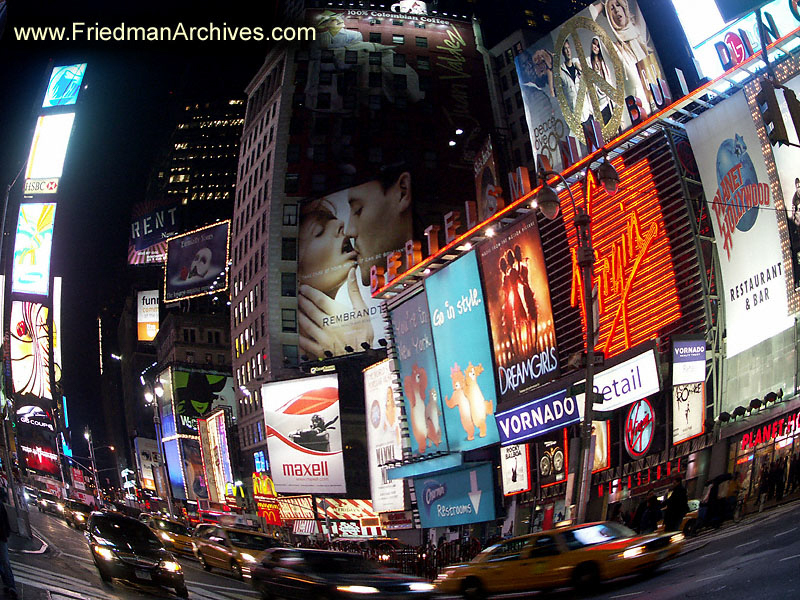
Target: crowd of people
{"type": "Point", "coordinates": [779, 477]}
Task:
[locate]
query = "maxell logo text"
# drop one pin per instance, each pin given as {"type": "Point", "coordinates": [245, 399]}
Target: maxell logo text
{"type": "Point", "coordinates": [303, 470]}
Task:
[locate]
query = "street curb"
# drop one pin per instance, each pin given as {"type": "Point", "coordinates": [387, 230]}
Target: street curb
{"type": "Point", "coordinates": [39, 536]}
{"type": "Point", "coordinates": [695, 549]}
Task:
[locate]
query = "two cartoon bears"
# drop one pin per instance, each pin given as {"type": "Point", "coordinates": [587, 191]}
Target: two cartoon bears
{"type": "Point", "coordinates": [424, 417]}
{"type": "Point", "coordinates": [467, 396]}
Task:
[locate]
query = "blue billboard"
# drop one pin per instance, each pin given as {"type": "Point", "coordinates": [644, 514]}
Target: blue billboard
{"type": "Point", "coordinates": [457, 497]}
{"type": "Point", "coordinates": [538, 417]}
{"type": "Point", "coordinates": [463, 354]}
{"type": "Point", "coordinates": [172, 454]}
{"type": "Point", "coordinates": [64, 85]}
{"type": "Point", "coordinates": [414, 341]}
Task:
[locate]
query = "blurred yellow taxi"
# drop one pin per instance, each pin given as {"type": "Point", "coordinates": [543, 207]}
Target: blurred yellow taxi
{"type": "Point", "coordinates": [578, 556]}
{"type": "Point", "coordinates": [173, 534]}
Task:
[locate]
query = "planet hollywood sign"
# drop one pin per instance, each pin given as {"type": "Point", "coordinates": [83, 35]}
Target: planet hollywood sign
{"type": "Point", "coordinates": [781, 427]}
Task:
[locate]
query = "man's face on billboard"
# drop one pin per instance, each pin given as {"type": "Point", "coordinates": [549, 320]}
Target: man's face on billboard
{"type": "Point", "coordinates": [379, 221]}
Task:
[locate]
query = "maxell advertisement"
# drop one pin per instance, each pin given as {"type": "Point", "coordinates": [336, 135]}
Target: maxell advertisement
{"type": "Point", "coordinates": [458, 497]}
{"type": "Point", "coordinates": [384, 439]}
{"type": "Point", "coordinates": [304, 437]}
{"type": "Point", "coordinates": [151, 227]}
{"type": "Point", "coordinates": [586, 81]}
{"type": "Point", "coordinates": [520, 315]}
{"type": "Point", "coordinates": [33, 243]}
{"type": "Point", "coordinates": [420, 379]}
{"type": "Point", "coordinates": [342, 236]}
{"type": "Point", "coordinates": [744, 217]}
{"type": "Point", "coordinates": [147, 315]}
{"type": "Point", "coordinates": [463, 354]}
{"type": "Point", "coordinates": [488, 186]}
{"type": "Point", "coordinates": [30, 349]}
{"type": "Point", "coordinates": [515, 465]}
{"type": "Point", "coordinates": [197, 263]}
{"type": "Point", "coordinates": [688, 388]}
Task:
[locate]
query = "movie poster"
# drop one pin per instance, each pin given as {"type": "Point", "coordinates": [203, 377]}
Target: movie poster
{"type": "Point", "coordinates": [195, 393]}
{"type": "Point", "coordinates": [515, 464]}
{"type": "Point", "coordinates": [197, 263]}
{"type": "Point", "coordinates": [520, 314]}
{"type": "Point", "coordinates": [742, 210]}
{"type": "Point", "coordinates": [420, 379]}
{"type": "Point", "coordinates": [463, 354]}
{"type": "Point", "coordinates": [589, 80]}
{"type": "Point", "coordinates": [384, 437]}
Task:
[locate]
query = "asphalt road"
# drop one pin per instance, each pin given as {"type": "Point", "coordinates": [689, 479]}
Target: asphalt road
{"type": "Point", "coordinates": [66, 570]}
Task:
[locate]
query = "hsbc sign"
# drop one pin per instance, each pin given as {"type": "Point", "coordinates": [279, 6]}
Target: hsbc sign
{"type": "Point", "coordinates": [41, 186]}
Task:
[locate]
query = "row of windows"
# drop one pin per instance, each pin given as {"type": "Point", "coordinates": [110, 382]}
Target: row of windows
{"type": "Point", "coordinates": [209, 358]}
{"type": "Point", "coordinates": [213, 336]}
{"type": "Point", "coordinates": [264, 92]}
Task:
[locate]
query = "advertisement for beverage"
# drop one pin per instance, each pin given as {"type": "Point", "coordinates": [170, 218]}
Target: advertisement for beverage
{"type": "Point", "coordinates": [304, 437]}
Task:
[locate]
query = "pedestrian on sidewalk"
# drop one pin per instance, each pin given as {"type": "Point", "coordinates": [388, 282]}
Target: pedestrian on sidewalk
{"type": "Point", "coordinates": [676, 506]}
{"type": "Point", "coordinates": [651, 516]}
{"type": "Point", "coordinates": [10, 587]}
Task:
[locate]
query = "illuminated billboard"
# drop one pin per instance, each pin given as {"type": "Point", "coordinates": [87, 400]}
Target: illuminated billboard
{"type": "Point", "coordinates": [515, 466]}
{"type": "Point", "coordinates": [384, 437]}
{"type": "Point", "coordinates": [151, 226]}
{"type": "Point", "coordinates": [488, 187]}
{"type": "Point", "coordinates": [185, 465]}
{"type": "Point", "coordinates": [49, 146]}
{"type": "Point", "coordinates": [147, 459]}
{"type": "Point", "coordinates": [304, 437]}
{"type": "Point", "coordinates": [196, 393]}
{"type": "Point", "coordinates": [743, 213]}
{"type": "Point", "coordinates": [216, 455]}
{"type": "Point", "coordinates": [30, 349]}
{"type": "Point", "coordinates": [147, 319]}
{"type": "Point", "coordinates": [32, 248]}
{"type": "Point", "coordinates": [590, 78]}
{"type": "Point", "coordinates": [520, 314]}
{"type": "Point", "coordinates": [458, 497]}
{"type": "Point", "coordinates": [64, 85]}
{"type": "Point", "coordinates": [39, 454]}
{"type": "Point", "coordinates": [197, 263]}
{"type": "Point", "coordinates": [57, 363]}
{"type": "Point", "coordinates": [417, 364]}
{"type": "Point", "coordinates": [463, 354]}
{"type": "Point", "coordinates": [688, 388]}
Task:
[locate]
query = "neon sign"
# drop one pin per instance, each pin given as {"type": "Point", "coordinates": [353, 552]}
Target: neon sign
{"type": "Point", "coordinates": [639, 428]}
{"type": "Point", "coordinates": [633, 273]}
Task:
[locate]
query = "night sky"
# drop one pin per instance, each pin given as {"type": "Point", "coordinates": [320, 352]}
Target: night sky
{"type": "Point", "coordinates": [123, 119]}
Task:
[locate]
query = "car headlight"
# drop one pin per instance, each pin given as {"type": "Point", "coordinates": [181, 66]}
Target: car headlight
{"type": "Point", "coordinates": [104, 553]}
{"type": "Point", "coordinates": [248, 557]}
{"type": "Point", "coordinates": [170, 565]}
{"type": "Point", "coordinates": [358, 589]}
{"type": "Point", "coordinates": [60, 507]}
{"type": "Point", "coordinates": [384, 557]}
{"type": "Point", "coordinates": [420, 586]}
{"type": "Point", "coordinates": [80, 517]}
{"type": "Point", "coordinates": [166, 537]}
{"type": "Point", "coordinates": [677, 537]}
{"type": "Point", "coordinates": [633, 552]}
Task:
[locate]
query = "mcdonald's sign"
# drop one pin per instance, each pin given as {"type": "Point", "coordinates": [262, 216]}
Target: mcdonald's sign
{"type": "Point", "coordinates": [266, 499]}
{"type": "Point", "coordinates": [263, 486]}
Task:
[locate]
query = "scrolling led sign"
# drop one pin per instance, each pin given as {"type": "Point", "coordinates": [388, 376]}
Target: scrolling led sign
{"type": "Point", "coordinates": [633, 272]}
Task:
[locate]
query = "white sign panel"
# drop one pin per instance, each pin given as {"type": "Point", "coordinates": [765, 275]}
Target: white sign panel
{"type": "Point", "coordinates": [384, 441]}
{"type": "Point", "coordinates": [147, 315]}
{"type": "Point", "coordinates": [628, 382]}
{"type": "Point", "coordinates": [49, 146]}
{"type": "Point", "coordinates": [688, 411]}
{"type": "Point", "coordinates": [515, 464]}
{"type": "Point", "coordinates": [304, 435]}
{"type": "Point", "coordinates": [743, 214]}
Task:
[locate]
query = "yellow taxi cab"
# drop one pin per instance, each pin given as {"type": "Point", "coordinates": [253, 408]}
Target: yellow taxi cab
{"type": "Point", "coordinates": [579, 556]}
{"type": "Point", "coordinates": [173, 534]}
{"type": "Point", "coordinates": [229, 548]}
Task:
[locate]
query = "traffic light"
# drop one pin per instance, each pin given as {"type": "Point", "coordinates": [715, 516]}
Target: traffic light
{"type": "Point", "coordinates": [771, 113]}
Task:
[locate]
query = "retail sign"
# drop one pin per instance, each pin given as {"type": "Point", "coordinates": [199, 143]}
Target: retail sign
{"type": "Point", "coordinates": [640, 425]}
{"type": "Point", "coordinates": [743, 213]}
{"type": "Point", "coordinates": [458, 497]}
{"type": "Point", "coordinates": [627, 382]}
{"type": "Point", "coordinates": [538, 417]}
{"type": "Point", "coordinates": [782, 427]}
{"type": "Point", "coordinates": [515, 465]}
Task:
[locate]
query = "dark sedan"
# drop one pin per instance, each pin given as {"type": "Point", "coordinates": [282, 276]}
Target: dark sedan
{"type": "Point", "coordinates": [300, 573]}
{"type": "Point", "coordinates": [124, 548]}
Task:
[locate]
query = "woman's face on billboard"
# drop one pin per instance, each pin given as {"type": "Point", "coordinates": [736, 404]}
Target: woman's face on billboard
{"type": "Point", "coordinates": [325, 254]}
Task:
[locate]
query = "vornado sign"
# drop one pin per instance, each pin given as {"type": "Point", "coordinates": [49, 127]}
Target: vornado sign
{"type": "Point", "coordinates": [536, 418]}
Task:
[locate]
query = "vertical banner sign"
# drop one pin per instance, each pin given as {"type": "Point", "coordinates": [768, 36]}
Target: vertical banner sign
{"type": "Point", "coordinates": [488, 188]}
{"type": "Point", "coordinates": [602, 447]}
{"type": "Point", "coordinates": [736, 184]}
{"type": "Point", "coordinates": [33, 243]}
{"type": "Point", "coordinates": [384, 442]}
{"type": "Point", "coordinates": [520, 313]}
{"type": "Point", "coordinates": [463, 354]}
{"type": "Point", "coordinates": [30, 349]}
{"type": "Point", "coordinates": [412, 335]}
{"type": "Point", "coordinates": [57, 362]}
{"type": "Point", "coordinates": [515, 464]}
{"type": "Point", "coordinates": [304, 437]}
{"type": "Point", "coordinates": [688, 388]}
{"type": "Point", "coordinates": [147, 315]}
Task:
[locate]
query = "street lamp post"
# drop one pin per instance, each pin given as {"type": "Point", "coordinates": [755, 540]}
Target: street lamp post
{"type": "Point", "coordinates": [151, 395]}
{"type": "Point", "coordinates": [549, 203]}
{"type": "Point", "coordinates": [88, 435]}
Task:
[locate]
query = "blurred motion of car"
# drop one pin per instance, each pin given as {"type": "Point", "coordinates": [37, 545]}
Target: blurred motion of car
{"type": "Point", "coordinates": [580, 555]}
{"type": "Point", "coordinates": [313, 574]}
{"type": "Point", "coordinates": [76, 514]}
{"type": "Point", "coordinates": [229, 548]}
{"type": "Point", "coordinates": [173, 534]}
{"type": "Point", "coordinates": [125, 548]}
{"type": "Point", "coordinates": [51, 503]}
{"type": "Point", "coordinates": [31, 495]}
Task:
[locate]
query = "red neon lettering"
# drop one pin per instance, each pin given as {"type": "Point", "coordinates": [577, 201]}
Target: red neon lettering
{"type": "Point", "coordinates": [747, 440]}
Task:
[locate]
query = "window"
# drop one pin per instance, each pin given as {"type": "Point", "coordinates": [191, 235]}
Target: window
{"type": "Point", "coordinates": [189, 335]}
{"type": "Point", "coordinates": [419, 25]}
{"type": "Point", "coordinates": [189, 356]}
{"type": "Point", "coordinates": [323, 100]}
{"type": "Point", "coordinates": [375, 37]}
{"type": "Point", "coordinates": [507, 551]}
{"type": "Point", "coordinates": [209, 358]}
{"type": "Point", "coordinates": [543, 546]}
{"type": "Point", "coordinates": [351, 56]}
{"type": "Point", "coordinates": [289, 215]}
{"type": "Point", "coordinates": [518, 99]}
{"type": "Point", "coordinates": [288, 284]}
{"type": "Point", "coordinates": [220, 359]}
{"type": "Point", "coordinates": [291, 183]}
{"type": "Point", "coordinates": [318, 182]}
{"type": "Point", "coordinates": [398, 39]}
{"type": "Point", "coordinates": [504, 83]}
{"type": "Point", "coordinates": [425, 85]}
{"type": "Point", "coordinates": [320, 152]}
{"type": "Point", "coordinates": [326, 55]}
{"type": "Point", "coordinates": [509, 54]}
{"type": "Point", "coordinates": [400, 82]}
{"type": "Point", "coordinates": [375, 80]}
{"type": "Point", "coordinates": [422, 42]}
{"type": "Point", "coordinates": [423, 63]}
{"type": "Point", "coordinates": [289, 249]}
{"type": "Point", "coordinates": [397, 22]}
{"type": "Point", "coordinates": [290, 356]}
{"type": "Point", "coordinates": [509, 108]}
{"type": "Point", "coordinates": [375, 58]}
{"type": "Point", "coordinates": [399, 60]}
{"type": "Point", "coordinates": [375, 101]}
{"type": "Point", "coordinates": [325, 78]}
